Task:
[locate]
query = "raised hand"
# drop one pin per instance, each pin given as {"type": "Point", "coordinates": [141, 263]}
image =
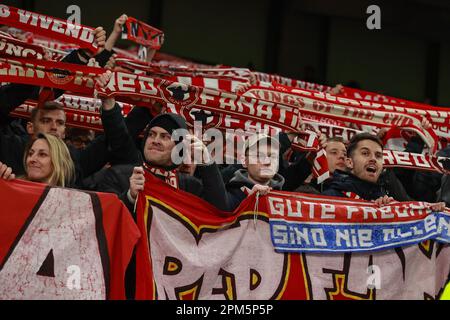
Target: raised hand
{"type": "Point", "coordinates": [6, 172]}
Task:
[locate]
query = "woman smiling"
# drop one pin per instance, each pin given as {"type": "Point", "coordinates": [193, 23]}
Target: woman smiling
{"type": "Point", "coordinates": [46, 160]}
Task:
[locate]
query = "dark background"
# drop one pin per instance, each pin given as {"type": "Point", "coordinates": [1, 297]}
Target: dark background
{"type": "Point", "coordinates": [315, 40]}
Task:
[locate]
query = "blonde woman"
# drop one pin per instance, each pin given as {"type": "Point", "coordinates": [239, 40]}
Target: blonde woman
{"type": "Point", "coordinates": [46, 160]}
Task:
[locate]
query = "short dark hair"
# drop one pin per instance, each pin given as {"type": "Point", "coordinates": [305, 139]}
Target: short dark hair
{"type": "Point", "coordinates": [360, 137]}
{"type": "Point", "coordinates": [47, 106]}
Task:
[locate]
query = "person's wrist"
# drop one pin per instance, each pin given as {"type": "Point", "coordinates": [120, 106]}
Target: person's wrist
{"type": "Point", "coordinates": [130, 197]}
{"type": "Point", "coordinates": [108, 104]}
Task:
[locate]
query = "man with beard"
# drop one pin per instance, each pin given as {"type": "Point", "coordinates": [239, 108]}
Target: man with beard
{"type": "Point", "coordinates": [157, 151]}
{"type": "Point", "coordinates": [364, 166]}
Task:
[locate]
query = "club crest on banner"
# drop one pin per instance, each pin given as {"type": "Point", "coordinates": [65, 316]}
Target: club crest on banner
{"type": "Point", "coordinates": [207, 118]}
{"type": "Point", "coordinates": [179, 93]}
{"type": "Point", "coordinates": [60, 77]}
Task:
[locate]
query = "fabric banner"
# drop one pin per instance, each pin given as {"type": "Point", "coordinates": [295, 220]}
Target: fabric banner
{"type": "Point", "coordinates": [189, 250]}
{"type": "Point", "coordinates": [81, 112]}
{"type": "Point", "coordinates": [321, 104]}
{"type": "Point", "coordinates": [215, 109]}
{"type": "Point", "coordinates": [10, 47]}
{"type": "Point", "coordinates": [265, 77]}
{"type": "Point", "coordinates": [438, 116]}
{"type": "Point", "coordinates": [58, 243]}
{"type": "Point", "coordinates": [66, 76]}
{"type": "Point", "coordinates": [225, 84]}
{"type": "Point", "coordinates": [142, 33]}
{"type": "Point", "coordinates": [48, 26]}
{"type": "Point", "coordinates": [381, 98]}
{"type": "Point", "coordinates": [304, 223]}
{"type": "Point", "coordinates": [237, 74]}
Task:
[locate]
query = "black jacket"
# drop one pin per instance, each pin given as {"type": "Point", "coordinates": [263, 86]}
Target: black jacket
{"type": "Point", "coordinates": [236, 195]}
{"type": "Point", "coordinates": [209, 186]}
{"type": "Point", "coordinates": [421, 185]}
{"type": "Point", "coordinates": [343, 182]}
{"type": "Point", "coordinates": [297, 169]}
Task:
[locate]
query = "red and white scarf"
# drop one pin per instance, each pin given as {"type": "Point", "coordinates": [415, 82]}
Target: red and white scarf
{"type": "Point", "coordinates": [48, 26]}
{"type": "Point", "coordinates": [234, 111]}
{"type": "Point", "coordinates": [142, 33]}
{"type": "Point", "coordinates": [265, 77]}
{"type": "Point", "coordinates": [169, 176]}
{"type": "Point", "coordinates": [311, 102]}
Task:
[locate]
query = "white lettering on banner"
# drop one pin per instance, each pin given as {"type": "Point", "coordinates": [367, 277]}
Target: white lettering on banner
{"type": "Point", "coordinates": [280, 234]}
{"type": "Point", "coordinates": [82, 79]}
{"type": "Point", "coordinates": [216, 274]}
{"type": "Point", "coordinates": [443, 225]}
{"type": "Point", "coordinates": [354, 238]}
{"type": "Point", "coordinates": [298, 236]}
{"type": "Point", "coordinates": [125, 82]}
{"type": "Point", "coordinates": [4, 11]}
{"type": "Point", "coordinates": [55, 25]}
{"type": "Point", "coordinates": [147, 86]}
{"type": "Point", "coordinates": [208, 95]}
{"type": "Point", "coordinates": [320, 211]}
{"type": "Point", "coordinates": [18, 51]}
{"type": "Point", "coordinates": [24, 16]}
{"type": "Point", "coordinates": [370, 210]}
{"type": "Point", "coordinates": [403, 158]}
{"type": "Point", "coordinates": [276, 206]}
{"type": "Point", "coordinates": [73, 30]}
{"type": "Point", "coordinates": [318, 237]}
{"type": "Point", "coordinates": [430, 223]}
{"type": "Point", "coordinates": [87, 35]}
{"type": "Point", "coordinates": [22, 70]}
{"type": "Point", "coordinates": [58, 27]}
{"type": "Point", "coordinates": [420, 161]}
{"type": "Point", "coordinates": [37, 266]}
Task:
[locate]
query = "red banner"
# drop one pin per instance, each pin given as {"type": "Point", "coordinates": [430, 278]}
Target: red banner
{"type": "Point", "coordinates": [48, 26]}
{"type": "Point", "coordinates": [190, 251]}
{"type": "Point", "coordinates": [142, 33]}
{"type": "Point", "coordinates": [61, 244]}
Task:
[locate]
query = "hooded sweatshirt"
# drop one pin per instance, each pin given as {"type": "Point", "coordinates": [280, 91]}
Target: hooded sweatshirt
{"type": "Point", "coordinates": [236, 188]}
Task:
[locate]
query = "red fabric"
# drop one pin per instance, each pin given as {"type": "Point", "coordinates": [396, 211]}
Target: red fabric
{"type": "Point", "coordinates": [142, 33]}
{"type": "Point", "coordinates": [11, 47]}
{"type": "Point", "coordinates": [324, 105]}
{"type": "Point", "coordinates": [202, 212]}
{"type": "Point", "coordinates": [191, 251]}
{"type": "Point", "coordinates": [48, 26]}
{"type": "Point", "coordinates": [265, 77]}
{"type": "Point", "coordinates": [116, 226]}
{"type": "Point", "coordinates": [50, 74]}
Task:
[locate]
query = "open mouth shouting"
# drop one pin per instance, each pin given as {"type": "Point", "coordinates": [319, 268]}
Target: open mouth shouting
{"type": "Point", "coordinates": [371, 171]}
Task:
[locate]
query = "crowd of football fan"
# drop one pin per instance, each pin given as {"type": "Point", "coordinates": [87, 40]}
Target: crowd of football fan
{"type": "Point", "coordinates": [44, 150]}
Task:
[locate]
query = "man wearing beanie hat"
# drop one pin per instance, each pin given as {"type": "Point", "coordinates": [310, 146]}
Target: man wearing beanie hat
{"type": "Point", "coordinates": [260, 170]}
{"type": "Point", "coordinates": [157, 147]}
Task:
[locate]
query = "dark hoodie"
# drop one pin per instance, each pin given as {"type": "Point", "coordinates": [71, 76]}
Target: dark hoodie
{"type": "Point", "coordinates": [240, 179]}
{"type": "Point", "coordinates": [344, 182]}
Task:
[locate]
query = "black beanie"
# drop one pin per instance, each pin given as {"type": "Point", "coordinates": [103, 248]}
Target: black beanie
{"type": "Point", "coordinates": [167, 121]}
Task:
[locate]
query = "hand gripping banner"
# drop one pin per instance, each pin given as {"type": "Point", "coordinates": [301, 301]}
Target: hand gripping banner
{"type": "Point", "coordinates": [190, 250]}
